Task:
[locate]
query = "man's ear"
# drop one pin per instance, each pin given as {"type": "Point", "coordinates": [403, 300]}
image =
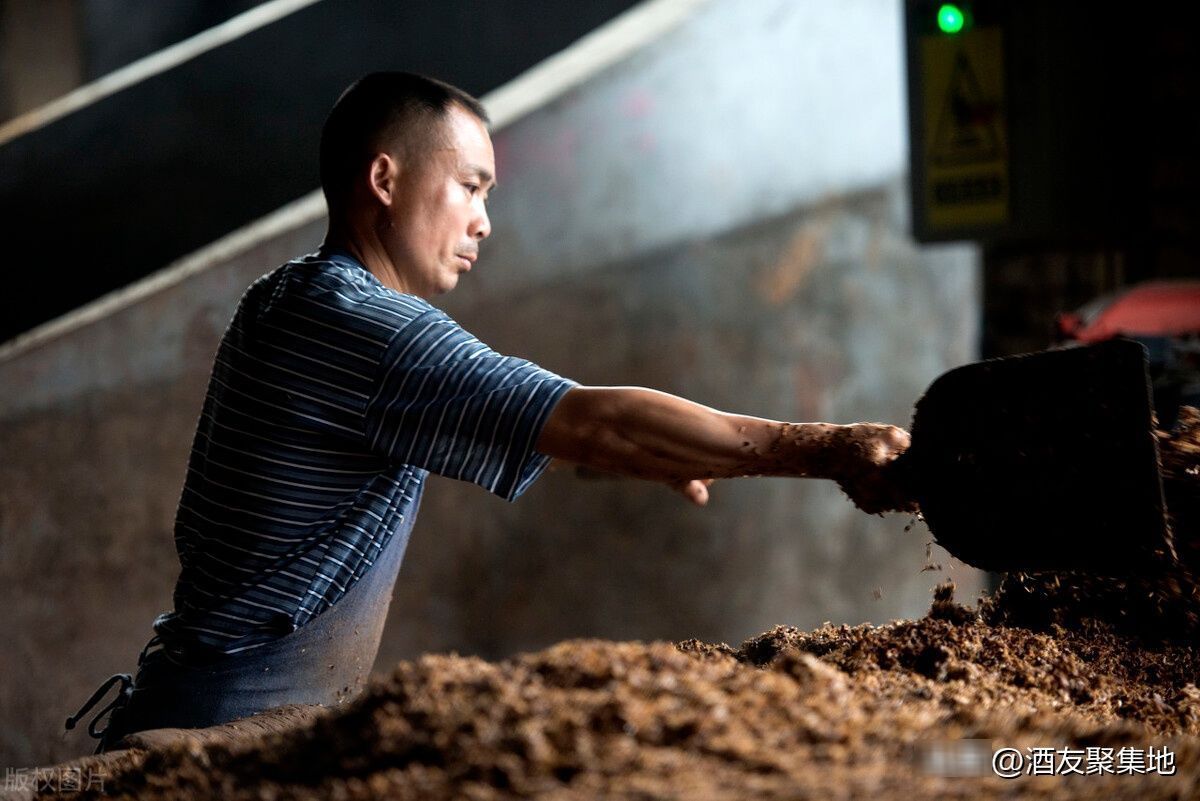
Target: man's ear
{"type": "Point", "coordinates": [382, 177]}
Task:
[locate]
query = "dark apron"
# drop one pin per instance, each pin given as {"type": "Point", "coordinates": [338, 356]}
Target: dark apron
{"type": "Point", "coordinates": [327, 661]}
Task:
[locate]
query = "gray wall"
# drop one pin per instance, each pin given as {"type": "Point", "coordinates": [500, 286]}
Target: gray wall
{"type": "Point", "coordinates": [722, 216]}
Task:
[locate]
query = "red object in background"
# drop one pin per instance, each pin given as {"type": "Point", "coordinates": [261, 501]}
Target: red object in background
{"type": "Point", "coordinates": [1158, 308]}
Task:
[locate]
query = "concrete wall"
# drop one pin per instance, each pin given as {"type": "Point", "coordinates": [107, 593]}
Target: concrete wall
{"type": "Point", "coordinates": [40, 53]}
{"type": "Point", "coordinates": [722, 216]}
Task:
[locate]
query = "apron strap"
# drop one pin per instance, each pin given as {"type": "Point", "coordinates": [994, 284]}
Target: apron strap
{"type": "Point", "coordinates": [122, 698]}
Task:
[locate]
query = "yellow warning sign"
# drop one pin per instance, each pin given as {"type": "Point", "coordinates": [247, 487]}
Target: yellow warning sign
{"type": "Point", "coordinates": [965, 149]}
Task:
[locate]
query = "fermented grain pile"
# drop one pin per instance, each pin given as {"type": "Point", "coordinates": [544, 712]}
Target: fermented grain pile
{"type": "Point", "coordinates": [837, 712]}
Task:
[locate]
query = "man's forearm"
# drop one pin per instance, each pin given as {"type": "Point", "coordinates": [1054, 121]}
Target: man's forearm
{"type": "Point", "coordinates": [653, 435]}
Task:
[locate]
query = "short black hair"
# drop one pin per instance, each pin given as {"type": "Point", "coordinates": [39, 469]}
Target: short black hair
{"type": "Point", "coordinates": [383, 111]}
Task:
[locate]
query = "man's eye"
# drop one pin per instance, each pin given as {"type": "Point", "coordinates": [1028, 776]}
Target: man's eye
{"type": "Point", "coordinates": [472, 188]}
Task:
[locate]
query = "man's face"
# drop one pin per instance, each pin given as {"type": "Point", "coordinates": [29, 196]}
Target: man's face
{"type": "Point", "coordinates": [438, 215]}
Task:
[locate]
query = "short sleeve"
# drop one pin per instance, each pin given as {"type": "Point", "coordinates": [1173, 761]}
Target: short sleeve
{"type": "Point", "coordinates": [446, 402]}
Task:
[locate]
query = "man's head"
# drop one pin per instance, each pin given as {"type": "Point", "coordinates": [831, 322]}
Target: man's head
{"type": "Point", "coordinates": [406, 166]}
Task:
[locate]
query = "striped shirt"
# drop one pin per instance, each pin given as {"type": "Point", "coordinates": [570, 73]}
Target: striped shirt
{"type": "Point", "coordinates": [331, 399]}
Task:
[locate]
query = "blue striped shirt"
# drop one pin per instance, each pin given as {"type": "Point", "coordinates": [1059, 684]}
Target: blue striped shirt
{"type": "Point", "coordinates": [332, 397]}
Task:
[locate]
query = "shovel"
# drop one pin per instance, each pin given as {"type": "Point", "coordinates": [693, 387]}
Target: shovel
{"type": "Point", "coordinates": [1043, 462]}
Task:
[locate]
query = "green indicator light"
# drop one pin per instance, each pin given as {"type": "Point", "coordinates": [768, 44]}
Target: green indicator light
{"type": "Point", "coordinates": [950, 18]}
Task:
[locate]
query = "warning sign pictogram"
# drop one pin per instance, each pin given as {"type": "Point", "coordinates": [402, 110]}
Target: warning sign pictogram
{"type": "Point", "coordinates": [966, 129]}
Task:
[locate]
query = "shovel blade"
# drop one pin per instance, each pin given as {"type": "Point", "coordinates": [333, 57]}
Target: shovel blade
{"type": "Point", "coordinates": [1044, 462]}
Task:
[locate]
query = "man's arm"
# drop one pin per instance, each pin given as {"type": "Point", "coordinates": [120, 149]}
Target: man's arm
{"type": "Point", "coordinates": [660, 437]}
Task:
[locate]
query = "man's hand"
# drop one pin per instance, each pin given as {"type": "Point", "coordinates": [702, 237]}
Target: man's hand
{"type": "Point", "coordinates": [652, 435]}
{"type": "Point", "coordinates": [865, 466]}
{"type": "Point", "coordinates": [695, 490]}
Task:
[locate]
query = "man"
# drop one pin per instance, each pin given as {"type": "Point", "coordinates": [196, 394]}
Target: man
{"type": "Point", "coordinates": [337, 388]}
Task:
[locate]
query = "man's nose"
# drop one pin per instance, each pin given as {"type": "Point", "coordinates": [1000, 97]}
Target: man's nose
{"type": "Point", "coordinates": [481, 226]}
